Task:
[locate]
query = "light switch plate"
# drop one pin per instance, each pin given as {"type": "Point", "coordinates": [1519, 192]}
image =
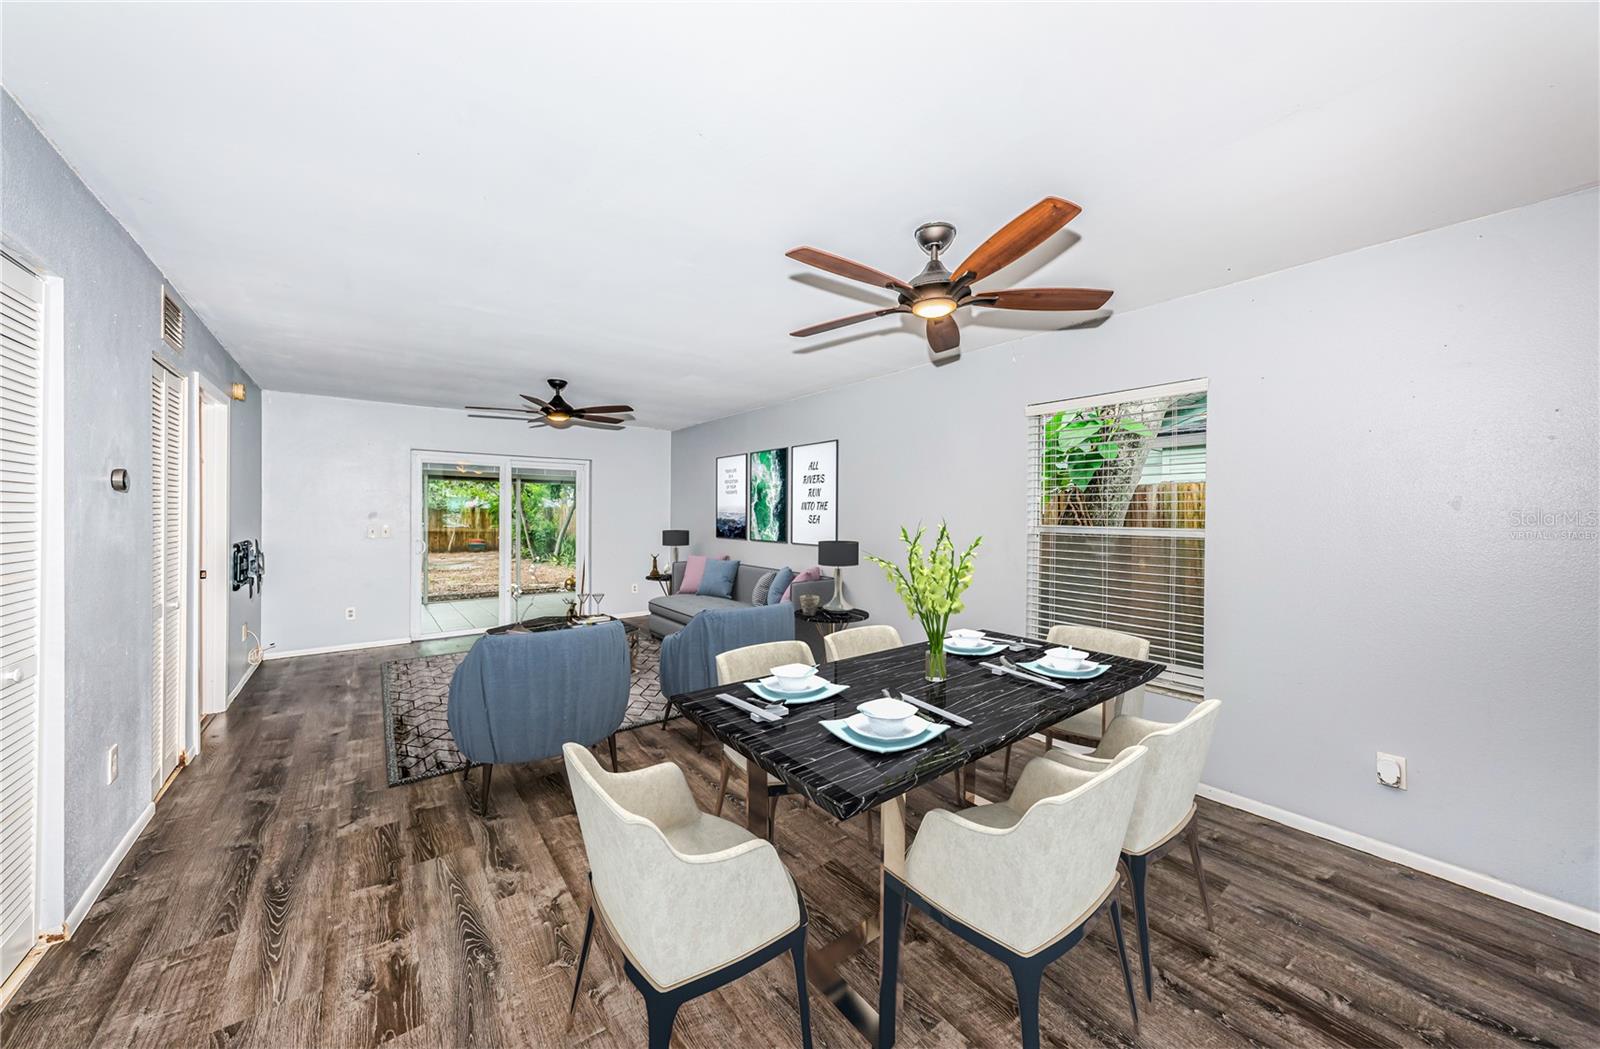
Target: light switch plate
{"type": "Point", "coordinates": [350, 613]}
{"type": "Point", "coordinates": [1391, 770]}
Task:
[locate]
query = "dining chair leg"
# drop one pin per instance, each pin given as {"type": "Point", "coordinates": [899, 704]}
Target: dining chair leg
{"type": "Point", "coordinates": [1138, 868]}
{"type": "Point", "coordinates": [801, 989]}
{"type": "Point", "coordinates": [661, 1010]}
{"type": "Point", "coordinates": [583, 957]}
{"type": "Point", "coordinates": [611, 745]}
{"type": "Point", "coordinates": [893, 928]}
{"type": "Point", "coordinates": [1026, 974]}
{"type": "Point", "coordinates": [1193, 834]}
{"type": "Point", "coordinates": [666, 712]}
{"type": "Point", "coordinates": [1127, 973]}
{"type": "Point", "coordinates": [722, 784]}
{"type": "Point", "coordinates": [1005, 771]}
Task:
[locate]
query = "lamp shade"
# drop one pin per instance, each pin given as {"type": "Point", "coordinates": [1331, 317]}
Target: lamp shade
{"type": "Point", "coordinates": [838, 553]}
{"type": "Point", "coordinates": [675, 537]}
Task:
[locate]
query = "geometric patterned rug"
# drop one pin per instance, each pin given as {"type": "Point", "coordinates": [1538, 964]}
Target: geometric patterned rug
{"type": "Point", "coordinates": [416, 692]}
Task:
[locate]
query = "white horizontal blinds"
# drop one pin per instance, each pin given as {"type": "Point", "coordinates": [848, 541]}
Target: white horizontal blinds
{"type": "Point", "coordinates": [1116, 522]}
{"type": "Point", "coordinates": [166, 404]}
{"type": "Point", "coordinates": [21, 365]}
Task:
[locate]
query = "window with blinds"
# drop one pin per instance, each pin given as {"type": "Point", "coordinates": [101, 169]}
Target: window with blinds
{"type": "Point", "coordinates": [1117, 521]}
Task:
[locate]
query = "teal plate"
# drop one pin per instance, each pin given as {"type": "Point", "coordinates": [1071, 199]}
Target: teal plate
{"type": "Point", "coordinates": [795, 699]}
{"type": "Point", "coordinates": [883, 746]}
{"type": "Point", "coordinates": [1066, 675]}
{"type": "Point", "coordinates": [986, 650]}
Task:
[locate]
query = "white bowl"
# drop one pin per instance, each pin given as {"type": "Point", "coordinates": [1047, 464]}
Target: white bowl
{"type": "Point", "coordinates": [888, 717]}
{"type": "Point", "coordinates": [795, 677]}
{"type": "Point", "coordinates": [1064, 659]}
{"type": "Point", "coordinates": [965, 633]}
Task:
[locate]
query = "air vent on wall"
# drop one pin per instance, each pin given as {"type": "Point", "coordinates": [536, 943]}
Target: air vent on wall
{"type": "Point", "coordinates": [171, 321]}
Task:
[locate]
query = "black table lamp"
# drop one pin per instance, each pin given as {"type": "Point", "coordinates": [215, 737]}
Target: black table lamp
{"type": "Point", "coordinates": [838, 555]}
{"type": "Point", "coordinates": [675, 537]}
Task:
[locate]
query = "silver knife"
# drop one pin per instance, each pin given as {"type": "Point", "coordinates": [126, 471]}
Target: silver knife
{"type": "Point", "coordinates": [1023, 675]}
{"type": "Point", "coordinates": [954, 719]}
{"type": "Point", "coordinates": [749, 708]}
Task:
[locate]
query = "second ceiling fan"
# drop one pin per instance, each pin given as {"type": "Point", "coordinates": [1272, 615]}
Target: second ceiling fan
{"type": "Point", "coordinates": [937, 292]}
{"type": "Point", "coordinates": [556, 411]}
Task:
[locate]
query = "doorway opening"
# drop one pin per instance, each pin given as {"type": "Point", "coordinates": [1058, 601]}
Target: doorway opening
{"type": "Point", "coordinates": [500, 539]}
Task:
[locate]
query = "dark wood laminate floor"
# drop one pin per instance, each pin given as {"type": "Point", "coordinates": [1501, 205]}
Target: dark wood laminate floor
{"type": "Point", "coordinates": [285, 896]}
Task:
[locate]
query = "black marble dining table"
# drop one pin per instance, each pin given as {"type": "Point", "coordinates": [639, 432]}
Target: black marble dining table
{"type": "Point", "coordinates": [845, 780]}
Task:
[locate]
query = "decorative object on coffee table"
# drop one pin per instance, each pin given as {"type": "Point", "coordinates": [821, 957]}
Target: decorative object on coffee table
{"type": "Point", "coordinates": [931, 585]}
{"type": "Point", "coordinates": [838, 554]}
{"type": "Point", "coordinates": [675, 537]}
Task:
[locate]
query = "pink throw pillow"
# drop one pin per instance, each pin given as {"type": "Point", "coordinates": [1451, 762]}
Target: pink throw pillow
{"type": "Point", "coordinates": [809, 575]}
{"type": "Point", "coordinates": [694, 569]}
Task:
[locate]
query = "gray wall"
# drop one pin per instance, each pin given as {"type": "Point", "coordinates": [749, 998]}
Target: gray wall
{"type": "Point", "coordinates": [333, 466]}
{"type": "Point", "coordinates": [1377, 421]}
{"type": "Point", "coordinates": [112, 309]}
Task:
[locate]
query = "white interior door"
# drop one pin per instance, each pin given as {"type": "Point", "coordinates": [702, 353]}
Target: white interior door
{"type": "Point", "coordinates": [166, 590]}
{"type": "Point", "coordinates": [214, 550]}
{"type": "Point", "coordinates": [21, 453]}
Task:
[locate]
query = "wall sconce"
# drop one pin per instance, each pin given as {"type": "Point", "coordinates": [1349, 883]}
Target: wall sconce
{"type": "Point", "coordinates": [119, 480]}
{"type": "Point", "coordinates": [237, 392]}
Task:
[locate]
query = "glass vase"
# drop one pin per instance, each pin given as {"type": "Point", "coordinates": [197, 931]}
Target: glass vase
{"type": "Point", "coordinates": [933, 669]}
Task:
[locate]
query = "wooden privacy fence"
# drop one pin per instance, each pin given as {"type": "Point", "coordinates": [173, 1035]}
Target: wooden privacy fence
{"type": "Point", "coordinates": [1163, 504]}
{"type": "Point", "coordinates": [473, 523]}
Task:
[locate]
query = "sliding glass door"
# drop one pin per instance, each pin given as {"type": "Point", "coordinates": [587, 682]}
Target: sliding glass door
{"type": "Point", "coordinates": [499, 539]}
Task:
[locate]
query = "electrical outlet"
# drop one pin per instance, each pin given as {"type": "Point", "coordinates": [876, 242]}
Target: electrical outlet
{"type": "Point", "coordinates": [386, 531]}
{"type": "Point", "coordinates": [111, 765]}
{"type": "Point", "coordinates": [350, 613]}
{"type": "Point", "coordinates": [1391, 771]}
{"type": "Point", "coordinates": [244, 631]}
{"type": "Point", "coordinates": [372, 532]}
{"type": "Point", "coordinates": [636, 588]}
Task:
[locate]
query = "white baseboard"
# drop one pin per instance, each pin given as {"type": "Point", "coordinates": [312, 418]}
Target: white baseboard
{"type": "Point", "coordinates": [249, 671]}
{"type": "Point", "coordinates": [80, 910]}
{"type": "Point", "coordinates": [1561, 910]}
{"type": "Point", "coordinates": [277, 653]}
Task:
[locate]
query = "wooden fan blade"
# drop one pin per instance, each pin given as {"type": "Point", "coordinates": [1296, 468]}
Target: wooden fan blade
{"type": "Point", "coordinates": [597, 418]}
{"type": "Point", "coordinates": [855, 318]}
{"type": "Point", "coordinates": [843, 267]}
{"type": "Point", "coordinates": [1019, 236]}
{"type": "Point", "coordinates": [1043, 299]}
{"type": "Point", "coordinates": [493, 408]}
{"type": "Point", "coordinates": [596, 424]}
{"type": "Point", "coordinates": [509, 418]}
{"type": "Point", "coordinates": [536, 423]}
{"type": "Point", "coordinates": [944, 334]}
{"type": "Point", "coordinates": [535, 400]}
{"type": "Point", "coordinates": [603, 409]}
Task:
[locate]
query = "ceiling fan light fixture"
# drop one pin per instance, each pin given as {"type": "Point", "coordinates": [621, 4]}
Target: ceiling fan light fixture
{"type": "Point", "coordinates": [934, 307]}
{"type": "Point", "coordinates": [557, 417]}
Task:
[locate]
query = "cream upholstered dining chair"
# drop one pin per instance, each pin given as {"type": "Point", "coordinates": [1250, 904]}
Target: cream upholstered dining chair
{"type": "Point", "coordinates": [1166, 807]}
{"type": "Point", "coordinates": [748, 664]}
{"type": "Point", "coordinates": [859, 641]}
{"type": "Point", "coordinates": [1088, 726]}
{"type": "Point", "coordinates": [1020, 879]}
{"type": "Point", "coordinates": [691, 900]}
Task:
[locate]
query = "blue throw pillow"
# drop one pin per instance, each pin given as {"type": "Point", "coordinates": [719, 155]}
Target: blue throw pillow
{"type": "Point", "coordinates": [780, 583]}
{"type": "Point", "coordinates": [718, 579]}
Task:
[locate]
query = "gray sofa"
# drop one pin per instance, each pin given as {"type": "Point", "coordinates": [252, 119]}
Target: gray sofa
{"type": "Point", "coordinates": [672, 613]}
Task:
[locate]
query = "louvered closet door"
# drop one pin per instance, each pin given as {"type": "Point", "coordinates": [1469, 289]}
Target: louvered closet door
{"type": "Point", "coordinates": [166, 586]}
{"type": "Point", "coordinates": [21, 362]}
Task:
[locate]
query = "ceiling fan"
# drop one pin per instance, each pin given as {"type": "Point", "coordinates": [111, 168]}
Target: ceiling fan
{"type": "Point", "coordinates": [555, 412]}
{"type": "Point", "coordinates": [936, 293]}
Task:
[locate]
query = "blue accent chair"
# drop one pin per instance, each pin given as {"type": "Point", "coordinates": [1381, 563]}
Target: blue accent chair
{"type": "Point", "coordinates": [518, 697]}
{"type": "Point", "coordinates": [689, 657]}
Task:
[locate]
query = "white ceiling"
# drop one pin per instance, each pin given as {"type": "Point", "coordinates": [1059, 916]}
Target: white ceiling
{"type": "Point", "coordinates": [443, 204]}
